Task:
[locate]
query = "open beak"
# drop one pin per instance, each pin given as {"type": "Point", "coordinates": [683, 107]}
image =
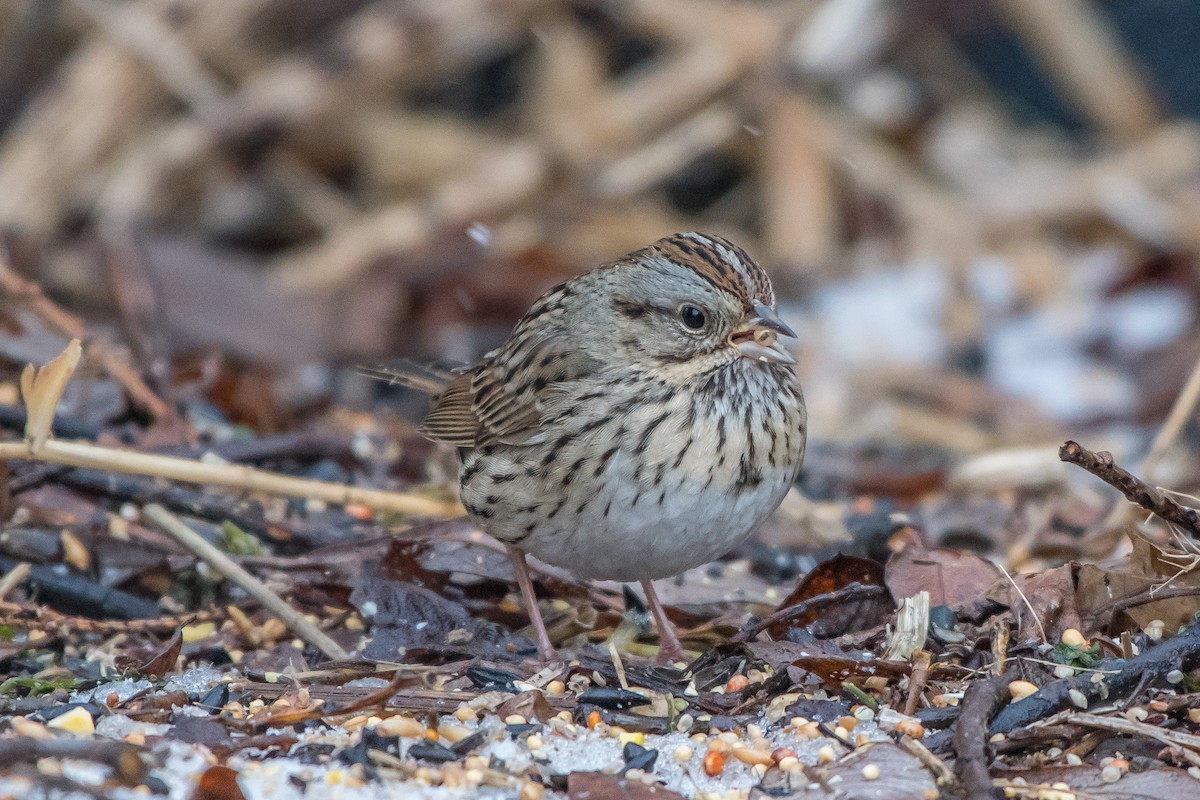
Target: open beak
{"type": "Point", "coordinates": [758, 337]}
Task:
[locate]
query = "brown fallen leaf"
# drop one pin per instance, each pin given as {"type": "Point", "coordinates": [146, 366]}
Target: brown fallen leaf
{"type": "Point", "coordinates": [164, 661]}
{"type": "Point", "coordinates": [598, 786]}
{"type": "Point", "coordinates": [951, 577]}
{"type": "Point", "coordinates": [829, 576]}
{"type": "Point", "coordinates": [1047, 596]}
{"type": "Point", "coordinates": [1156, 783]}
{"type": "Point", "coordinates": [881, 770]}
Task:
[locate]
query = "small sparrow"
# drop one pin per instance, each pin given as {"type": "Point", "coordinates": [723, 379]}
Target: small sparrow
{"type": "Point", "coordinates": [642, 419]}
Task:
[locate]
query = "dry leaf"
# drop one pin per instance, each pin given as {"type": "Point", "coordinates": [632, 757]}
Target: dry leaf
{"type": "Point", "coordinates": [42, 387]}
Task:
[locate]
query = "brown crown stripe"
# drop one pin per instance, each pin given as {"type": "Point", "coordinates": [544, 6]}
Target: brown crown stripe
{"type": "Point", "coordinates": [720, 262]}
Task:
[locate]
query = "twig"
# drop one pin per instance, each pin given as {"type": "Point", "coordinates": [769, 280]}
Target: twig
{"type": "Point", "coordinates": [237, 476]}
{"type": "Point", "coordinates": [1135, 490]}
{"type": "Point", "coordinates": [942, 774]}
{"type": "Point", "coordinates": [970, 736]}
{"type": "Point", "coordinates": [71, 326]}
{"type": "Point", "coordinates": [47, 619]}
{"type": "Point", "coordinates": [1029, 605]}
{"type": "Point", "coordinates": [223, 564]}
{"type": "Point", "coordinates": [1186, 742]}
{"type": "Point", "coordinates": [1151, 595]}
{"type": "Point", "coordinates": [1180, 652]}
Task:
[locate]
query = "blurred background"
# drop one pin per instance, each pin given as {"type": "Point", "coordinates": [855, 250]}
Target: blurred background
{"type": "Point", "coordinates": [982, 216]}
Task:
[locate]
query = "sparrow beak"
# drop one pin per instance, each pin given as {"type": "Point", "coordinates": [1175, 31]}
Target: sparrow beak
{"type": "Point", "coordinates": [758, 337]}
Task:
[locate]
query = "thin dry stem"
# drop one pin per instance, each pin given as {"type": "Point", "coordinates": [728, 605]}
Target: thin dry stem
{"type": "Point", "coordinates": [236, 476]}
{"type": "Point", "coordinates": [223, 564]}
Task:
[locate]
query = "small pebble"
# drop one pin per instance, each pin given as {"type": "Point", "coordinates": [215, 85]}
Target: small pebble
{"type": "Point", "coordinates": [1175, 676]}
{"type": "Point", "coordinates": [871, 772]}
{"type": "Point", "coordinates": [1064, 671]}
{"type": "Point", "coordinates": [1074, 760]}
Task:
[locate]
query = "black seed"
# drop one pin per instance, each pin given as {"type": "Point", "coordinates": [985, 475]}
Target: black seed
{"type": "Point", "coordinates": [638, 757]}
{"type": "Point", "coordinates": [432, 751]}
{"type": "Point", "coordinates": [489, 678]}
{"type": "Point", "coordinates": [613, 698]}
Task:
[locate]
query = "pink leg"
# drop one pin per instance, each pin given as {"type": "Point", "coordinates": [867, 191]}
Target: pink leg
{"type": "Point", "coordinates": [546, 650]}
{"type": "Point", "coordinates": [669, 649]}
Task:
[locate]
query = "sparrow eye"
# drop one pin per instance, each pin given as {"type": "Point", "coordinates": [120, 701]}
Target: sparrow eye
{"type": "Point", "coordinates": [692, 317]}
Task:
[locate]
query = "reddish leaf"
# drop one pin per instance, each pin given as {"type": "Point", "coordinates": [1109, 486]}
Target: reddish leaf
{"type": "Point", "coordinates": [218, 783]}
{"type": "Point", "coordinates": [829, 576]}
{"type": "Point", "coordinates": [165, 660]}
{"type": "Point", "coordinates": [952, 578]}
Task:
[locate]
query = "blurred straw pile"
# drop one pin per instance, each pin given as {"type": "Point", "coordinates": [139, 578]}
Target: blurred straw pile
{"type": "Point", "coordinates": [300, 180]}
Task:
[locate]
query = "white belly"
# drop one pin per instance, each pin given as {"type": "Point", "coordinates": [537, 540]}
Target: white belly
{"type": "Point", "coordinates": [641, 538]}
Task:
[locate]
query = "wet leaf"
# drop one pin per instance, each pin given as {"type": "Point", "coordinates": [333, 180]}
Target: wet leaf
{"type": "Point", "coordinates": [829, 576]}
{"type": "Point", "coordinates": [409, 617]}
